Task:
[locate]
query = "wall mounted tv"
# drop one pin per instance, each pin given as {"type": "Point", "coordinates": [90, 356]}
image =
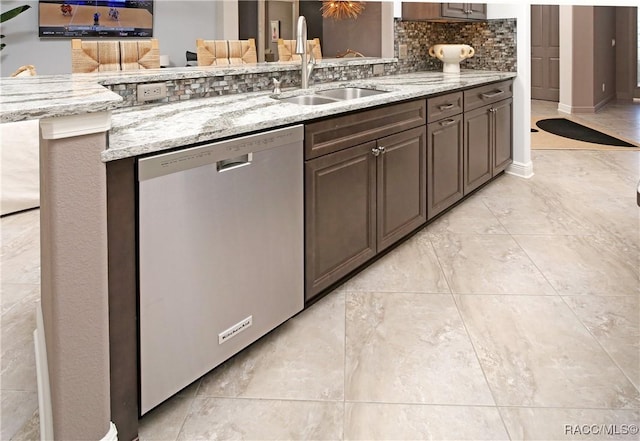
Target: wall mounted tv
{"type": "Point", "coordinates": [97, 18]}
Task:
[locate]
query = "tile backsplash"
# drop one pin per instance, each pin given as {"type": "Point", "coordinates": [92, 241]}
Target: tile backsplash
{"type": "Point", "coordinates": [493, 40]}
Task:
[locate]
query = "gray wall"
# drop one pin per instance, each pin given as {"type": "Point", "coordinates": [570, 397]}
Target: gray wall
{"type": "Point", "coordinates": [362, 35]}
{"type": "Point", "coordinates": [626, 33]}
{"type": "Point", "coordinates": [283, 11]}
{"type": "Point", "coordinates": [177, 24]}
{"type": "Point", "coordinates": [604, 67]}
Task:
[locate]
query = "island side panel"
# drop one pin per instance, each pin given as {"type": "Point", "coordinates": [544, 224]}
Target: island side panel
{"type": "Point", "coordinates": [74, 284]}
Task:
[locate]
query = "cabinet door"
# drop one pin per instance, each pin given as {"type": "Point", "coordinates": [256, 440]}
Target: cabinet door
{"type": "Point", "coordinates": [476, 11]}
{"type": "Point", "coordinates": [503, 135]}
{"type": "Point", "coordinates": [444, 162]}
{"type": "Point", "coordinates": [340, 215]}
{"type": "Point", "coordinates": [454, 10]}
{"type": "Point", "coordinates": [401, 185]}
{"type": "Point", "coordinates": [477, 148]}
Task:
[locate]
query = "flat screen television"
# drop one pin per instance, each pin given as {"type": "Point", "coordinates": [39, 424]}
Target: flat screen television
{"type": "Point", "coordinates": [97, 18]}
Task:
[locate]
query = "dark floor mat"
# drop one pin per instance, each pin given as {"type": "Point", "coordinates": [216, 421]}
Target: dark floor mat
{"type": "Point", "coordinates": [569, 129]}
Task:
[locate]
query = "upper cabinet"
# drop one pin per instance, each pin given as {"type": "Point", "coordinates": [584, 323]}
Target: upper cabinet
{"type": "Point", "coordinates": [444, 11]}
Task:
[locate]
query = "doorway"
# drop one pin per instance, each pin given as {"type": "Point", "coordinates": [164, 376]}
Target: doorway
{"type": "Point", "coordinates": [545, 52]}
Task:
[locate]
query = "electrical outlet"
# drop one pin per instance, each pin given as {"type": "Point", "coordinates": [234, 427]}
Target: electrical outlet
{"type": "Point", "coordinates": [151, 91]}
{"type": "Point", "coordinates": [402, 51]}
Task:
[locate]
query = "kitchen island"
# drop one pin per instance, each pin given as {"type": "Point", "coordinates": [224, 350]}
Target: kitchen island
{"type": "Point", "coordinates": [88, 150]}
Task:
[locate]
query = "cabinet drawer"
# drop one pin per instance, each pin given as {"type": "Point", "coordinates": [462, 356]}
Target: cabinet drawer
{"type": "Point", "coordinates": [488, 94]}
{"type": "Point", "coordinates": [444, 106]}
{"type": "Point", "coordinates": [332, 135]}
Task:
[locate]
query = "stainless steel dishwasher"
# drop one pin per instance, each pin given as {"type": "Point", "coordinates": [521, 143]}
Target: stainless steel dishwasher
{"type": "Point", "coordinates": [220, 254]}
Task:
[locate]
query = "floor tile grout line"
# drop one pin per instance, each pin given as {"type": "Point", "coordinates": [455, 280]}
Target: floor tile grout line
{"type": "Point", "coordinates": [344, 365]}
{"type": "Point", "coordinates": [537, 267]}
{"type": "Point", "coordinates": [613, 360]}
{"type": "Point", "coordinates": [484, 374]}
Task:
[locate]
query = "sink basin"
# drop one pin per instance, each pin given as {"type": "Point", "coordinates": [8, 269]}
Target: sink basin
{"type": "Point", "coordinates": [308, 100]}
{"type": "Point", "coordinates": [349, 93]}
{"type": "Point", "coordinates": [331, 96]}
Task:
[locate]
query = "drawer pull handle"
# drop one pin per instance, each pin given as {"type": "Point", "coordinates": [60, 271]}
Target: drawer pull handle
{"type": "Point", "coordinates": [493, 94]}
{"type": "Point", "coordinates": [445, 107]}
{"type": "Point", "coordinates": [448, 122]}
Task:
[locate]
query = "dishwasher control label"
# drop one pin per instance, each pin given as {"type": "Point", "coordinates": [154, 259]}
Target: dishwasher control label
{"type": "Point", "coordinates": [235, 330]}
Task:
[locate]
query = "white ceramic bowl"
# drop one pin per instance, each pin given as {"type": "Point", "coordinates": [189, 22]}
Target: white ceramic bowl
{"type": "Point", "coordinates": [451, 55]}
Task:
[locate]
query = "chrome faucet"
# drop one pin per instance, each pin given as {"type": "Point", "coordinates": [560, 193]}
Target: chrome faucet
{"type": "Point", "coordinates": [301, 49]}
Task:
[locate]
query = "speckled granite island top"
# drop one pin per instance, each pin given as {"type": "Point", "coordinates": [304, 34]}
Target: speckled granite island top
{"type": "Point", "coordinates": [146, 129]}
{"type": "Point", "coordinates": [137, 131]}
{"type": "Point", "coordinates": [51, 96]}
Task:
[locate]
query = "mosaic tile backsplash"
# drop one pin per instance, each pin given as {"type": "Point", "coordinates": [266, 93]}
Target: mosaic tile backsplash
{"type": "Point", "coordinates": [493, 40]}
{"type": "Point", "coordinates": [185, 89]}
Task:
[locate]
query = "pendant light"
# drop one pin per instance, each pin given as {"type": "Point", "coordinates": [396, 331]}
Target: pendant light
{"type": "Point", "coordinates": [341, 9]}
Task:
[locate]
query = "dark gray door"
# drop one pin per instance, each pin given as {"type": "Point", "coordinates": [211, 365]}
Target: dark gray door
{"type": "Point", "coordinates": [340, 224]}
{"type": "Point", "coordinates": [445, 162]}
{"type": "Point", "coordinates": [545, 52]}
{"type": "Point", "coordinates": [401, 185]}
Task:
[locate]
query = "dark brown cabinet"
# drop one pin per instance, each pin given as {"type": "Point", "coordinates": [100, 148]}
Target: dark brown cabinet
{"type": "Point", "coordinates": [488, 133]}
{"type": "Point", "coordinates": [477, 148]}
{"type": "Point", "coordinates": [471, 11]}
{"type": "Point", "coordinates": [401, 185]}
{"type": "Point", "coordinates": [375, 176]}
{"type": "Point", "coordinates": [444, 11]}
{"type": "Point", "coordinates": [444, 152]}
{"type": "Point", "coordinates": [361, 199]}
{"type": "Point", "coordinates": [444, 159]}
{"type": "Point", "coordinates": [340, 212]}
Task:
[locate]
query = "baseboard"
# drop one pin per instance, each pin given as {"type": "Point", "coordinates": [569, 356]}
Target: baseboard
{"type": "Point", "coordinates": [603, 103]}
{"type": "Point", "coordinates": [565, 108]}
{"type": "Point", "coordinates": [112, 434]}
{"type": "Point", "coordinates": [42, 377]}
{"type": "Point", "coordinates": [520, 169]}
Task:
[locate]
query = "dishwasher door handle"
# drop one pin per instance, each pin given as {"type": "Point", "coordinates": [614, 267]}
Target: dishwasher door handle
{"type": "Point", "coordinates": [233, 163]}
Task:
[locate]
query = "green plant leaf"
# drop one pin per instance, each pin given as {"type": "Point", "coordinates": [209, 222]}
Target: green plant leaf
{"type": "Point", "coordinates": [12, 13]}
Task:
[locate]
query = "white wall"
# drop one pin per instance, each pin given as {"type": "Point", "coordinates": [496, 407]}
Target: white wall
{"type": "Point", "coordinates": [522, 165]}
{"type": "Point", "coordinates": [177, 24]}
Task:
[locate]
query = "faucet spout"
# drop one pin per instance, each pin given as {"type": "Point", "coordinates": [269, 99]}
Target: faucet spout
{"type": "Point", "coordinates": [302, 50]}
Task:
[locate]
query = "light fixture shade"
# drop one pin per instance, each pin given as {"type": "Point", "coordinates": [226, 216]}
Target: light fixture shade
{"type": "Point", "coordinates": [341, 9]}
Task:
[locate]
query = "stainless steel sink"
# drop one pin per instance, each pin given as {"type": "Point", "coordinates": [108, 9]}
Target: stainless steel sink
{"type": "Point", "coordinates": [349, 93]}
{"type": "Point", "coordinates": [308, 100]}
{"type": "Point", "coordinates": [331, 96]}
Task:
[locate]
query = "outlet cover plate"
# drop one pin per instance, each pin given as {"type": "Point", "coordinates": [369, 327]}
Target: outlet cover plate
{"type": "Point", "coordinates": [151, 91]}
{"type": "Point", "coordinates": [402, 51]}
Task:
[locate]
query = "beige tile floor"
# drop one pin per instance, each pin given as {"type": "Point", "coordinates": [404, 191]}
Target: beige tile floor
{"type": "Point", "coordinates": [514, 316]}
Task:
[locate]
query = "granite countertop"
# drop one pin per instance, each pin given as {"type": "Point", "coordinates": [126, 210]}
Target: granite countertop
{"type": "Point", "coordinates": [152, 128]}
{"type": "Point", "coordinates": [48, 96]}
{"type": "Point", "coordinates": [141, 130]}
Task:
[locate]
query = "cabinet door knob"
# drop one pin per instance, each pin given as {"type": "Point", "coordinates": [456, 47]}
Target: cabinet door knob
{"type": "Point", "coordinates": [382, 149]}
{"type": "Point", "coordinates": [375, 151]}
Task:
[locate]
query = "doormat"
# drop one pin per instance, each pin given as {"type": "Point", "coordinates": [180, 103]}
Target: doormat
{"type": "Point", "coordinates": [572, 130]}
